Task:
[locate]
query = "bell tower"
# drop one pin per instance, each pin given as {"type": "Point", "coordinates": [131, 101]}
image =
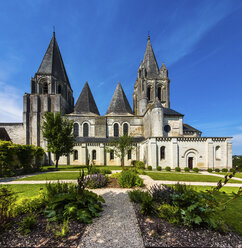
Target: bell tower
{"type": "Point", "coordinates": [151, 83]}
{"type": "Point", "coordinates": [50, 92]}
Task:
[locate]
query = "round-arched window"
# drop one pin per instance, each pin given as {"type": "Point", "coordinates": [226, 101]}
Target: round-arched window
{"type": "Point", "coordinates": [76, 130]}
{"type": "Point", "coordinates": [45, 88]}
{"type": "Point", "coordinates": [125, 129]}
{"type": "Point", "coordinates": [115, 130]}
{"type": "Point", "coordinates": [85, 130]}
{"type": "Point", "coordinates": [75, 155]}
{"type": "Point", "coordinates": [167, 128]}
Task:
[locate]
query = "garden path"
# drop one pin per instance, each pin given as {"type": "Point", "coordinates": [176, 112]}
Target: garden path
{"type": "Point", "coordinates": [218, 175]}
{"type": "Point", "coordinates": [117, 226]}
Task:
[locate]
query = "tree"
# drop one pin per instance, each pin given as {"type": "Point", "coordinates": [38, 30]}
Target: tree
{"type": "Point", "coordinates": [121, 147]}
{"type": "Point", "coordinates": [57, 131]}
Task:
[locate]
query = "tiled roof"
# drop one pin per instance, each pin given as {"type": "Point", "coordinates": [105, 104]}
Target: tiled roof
{"type": "Point", "coordinates": [168, 111]}
{"type": "Point", "coordinates": [188, 128]}
{"type": "Point", "coordinates": [104, 140]}
{"type": "Point", "coordinates": [149, 62]}
{"type": "Point", "coordinates": [52, 63]}
{"type": "Point", "coordinates": [119, 103]}
{"type": "Point", "coordinates": [86, 103]}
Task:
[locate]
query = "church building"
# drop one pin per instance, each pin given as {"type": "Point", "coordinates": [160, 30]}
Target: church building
{"type": "Point", "coordinates": [160, 136]}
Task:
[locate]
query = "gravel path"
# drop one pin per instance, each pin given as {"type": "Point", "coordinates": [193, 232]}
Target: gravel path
{"type": "Point", "coordinates": [217, 175]}
{"type": "Point", "coordinates": [117, 226]}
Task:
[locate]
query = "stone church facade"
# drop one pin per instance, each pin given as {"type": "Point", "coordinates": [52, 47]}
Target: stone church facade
{"type": "Point", "coordinates": [160, 136]}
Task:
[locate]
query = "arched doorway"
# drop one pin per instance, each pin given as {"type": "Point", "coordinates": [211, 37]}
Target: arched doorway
{"type": "Point", "coordinates": [190, 163]}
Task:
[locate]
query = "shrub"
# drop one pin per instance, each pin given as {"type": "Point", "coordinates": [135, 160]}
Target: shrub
{"type": "Point", "coordinates": [141, 172]}
{"type": "Point", "coordinates": [96, 180]}
{"type": "Point", "coordinates": [138, 164]}
{"type": "Point", "coordinates": [93, 170]}
{"type": "Point", "coordinates": [28, 205]}
{"type": "Point", "coordinates": [115, 175]}
{"type": "Point", "coordinates": [73, 203]}
{"type": "Point", "coordinates": [178, 169]}
{"type": "Point", "coordinates": [210, 170]}
{"type": "Point", "coordinates": [217, 170]}
{"type": "Point", "coordinates": [168, 168]}
{"type": "Point", "coordinates": [105, 171]}
{"type": "Point", "coordinates": [186, 169]}
{"type": "Point", "coordinates": [169, 213]}
{"type": "Point", "coordinates": [147, 205]}
{"type": "Point", "coordinates": [231, 170]}
{"type": "Point", "coordinates": [197, 208]}
{"type": "Point", "coordinates": [64, 229]}
{"type": "Point", "coordinates": [149, 167]}
{"type": "Point", "coordinates": [224, 170]}
{"type": "Point", "coordinates": [161, 193]}
{"type": "Point", "coordinates": [27, 224]}
{"type": "Point", "coordinates": [158, 168]}
{"type": "Point", "coordinates": [195, 170]}
{"type": "Point", "coordinates": [181, 188]}
{"type": "Point", "coordinates": [129, 179]}
{"type": "Point", "coordinates": [137, 195]}
{"type": "Point", "coordinates": [7, 201]}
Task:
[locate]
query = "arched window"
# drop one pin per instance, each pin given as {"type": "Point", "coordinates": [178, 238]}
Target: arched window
{"type": "Point", "coordinates": [125, 129]}
{"type": "Point", "coordinates": [45, 88]}
{"type": "Point", "coordinates": [111, 155]}
{"type": "Point", "coordinates": [159, 93]}
{"type": "Point", "coordinates": [115, 130]}
{"type": "Point", "coordinates": [94, 155]}
{"type": "Point", "coordinates": [162, 152]}
{"type": "Point", "coordinates": [218, 152]}
{"type": "Point", "coordinates": [148, 93]}
{"type": "Point", "coordinates": [76, 130]}
{"type": "Point", "coordinates": [75, 155]}
{"type": "Point", "coordinates": [59, 89]}
{"type": "Point", "coordinates": [85, 130]}
{"type": "Point", "coordinates": [129, 154]}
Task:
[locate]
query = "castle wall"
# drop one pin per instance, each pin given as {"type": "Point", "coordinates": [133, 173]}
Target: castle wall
{"type": "Point", "coordinates": [16, 132]}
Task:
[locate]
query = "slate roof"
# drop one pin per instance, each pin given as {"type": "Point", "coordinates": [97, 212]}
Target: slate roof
{"type": "Point", "coordinates": [4, 134]}
{"type": "Point", "coordinates": [52, 63]}
{"type": "Point", "coordinates": [119, 103]}
{"type": "Point", "coordinates": [104, 140]}
{"type": "Point", "coordinates": [149, 62]}
{"type": "Point", "coordinates": [86, 103]}
{"type": "Point", "coordinates": [188, 128]}
{"type": "Point", "coordinates": [171, 112]}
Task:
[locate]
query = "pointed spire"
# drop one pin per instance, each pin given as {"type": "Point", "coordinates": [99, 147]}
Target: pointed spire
{"type": "Point", "coordinates": [163, 67]}
{"type": "Point", "coordinates": [86, 103]}
{"type": "Point", "coordinates": [149, 61]}
{"type": "Point", "coordinates": [119, 103]}
{"type": "Point", "coordinates": [52, 63]}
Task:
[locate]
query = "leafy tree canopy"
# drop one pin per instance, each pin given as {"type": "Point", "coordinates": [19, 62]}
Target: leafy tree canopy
{"type": "Point", "coordinates": [57, 131]}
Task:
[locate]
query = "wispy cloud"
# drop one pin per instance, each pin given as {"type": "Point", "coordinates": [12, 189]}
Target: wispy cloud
{"type": "Point", "coordinates": [181, 40]}
{"type": "Point", "coordinates": [10, 104]}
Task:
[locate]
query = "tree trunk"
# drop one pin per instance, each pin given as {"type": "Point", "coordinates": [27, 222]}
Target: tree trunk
{"type": "Point", "coordinates": [122, 162]}
{"type": "Point", "coordinates": [56, 162]}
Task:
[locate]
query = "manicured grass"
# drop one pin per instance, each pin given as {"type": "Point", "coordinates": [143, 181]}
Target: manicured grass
{"type": "Point", "coordinates": [238, 174]}
{"type": "Point", "coordinates": [79, 167]}
{"type": "Point", "coordinates": [26, 190]}
{"type": "Point", "coordinates": [53, 176]}
{"type": "Point", "coordinates": [185, 177]}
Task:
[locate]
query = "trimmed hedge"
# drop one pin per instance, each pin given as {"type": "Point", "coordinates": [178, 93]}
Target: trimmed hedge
{"type": "Point", "coordinates": [14, 157]}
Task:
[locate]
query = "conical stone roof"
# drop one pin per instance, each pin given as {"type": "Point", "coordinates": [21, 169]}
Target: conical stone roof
{"type": "Point", "coordinates": [52, 63]}
{"type": "Point", "coordinates": [149, 62]}
{"type": "Point", "coordinates": [86, 103]}
{"type": "Point", "coordinates": [119, 103]}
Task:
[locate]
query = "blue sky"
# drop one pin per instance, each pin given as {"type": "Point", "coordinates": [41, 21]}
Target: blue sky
{"type": "Point", "coordinates": [103, 42]}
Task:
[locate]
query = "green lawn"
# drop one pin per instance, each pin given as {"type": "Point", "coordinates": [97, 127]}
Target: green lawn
{"type": "Point", "coordinates": [238, 174]}
{"type": "Point", "coordinates": [79, 167]}
{"type": "Point", "coordinates": [185, 177]}
{"type": "Point", "coordinates": [26, 190]}
{"type": "Point", "coordinates": [53, 176]}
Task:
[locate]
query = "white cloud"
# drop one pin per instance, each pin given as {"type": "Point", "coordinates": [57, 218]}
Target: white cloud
{"type": "Point", "coordinates": [10, 103]}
